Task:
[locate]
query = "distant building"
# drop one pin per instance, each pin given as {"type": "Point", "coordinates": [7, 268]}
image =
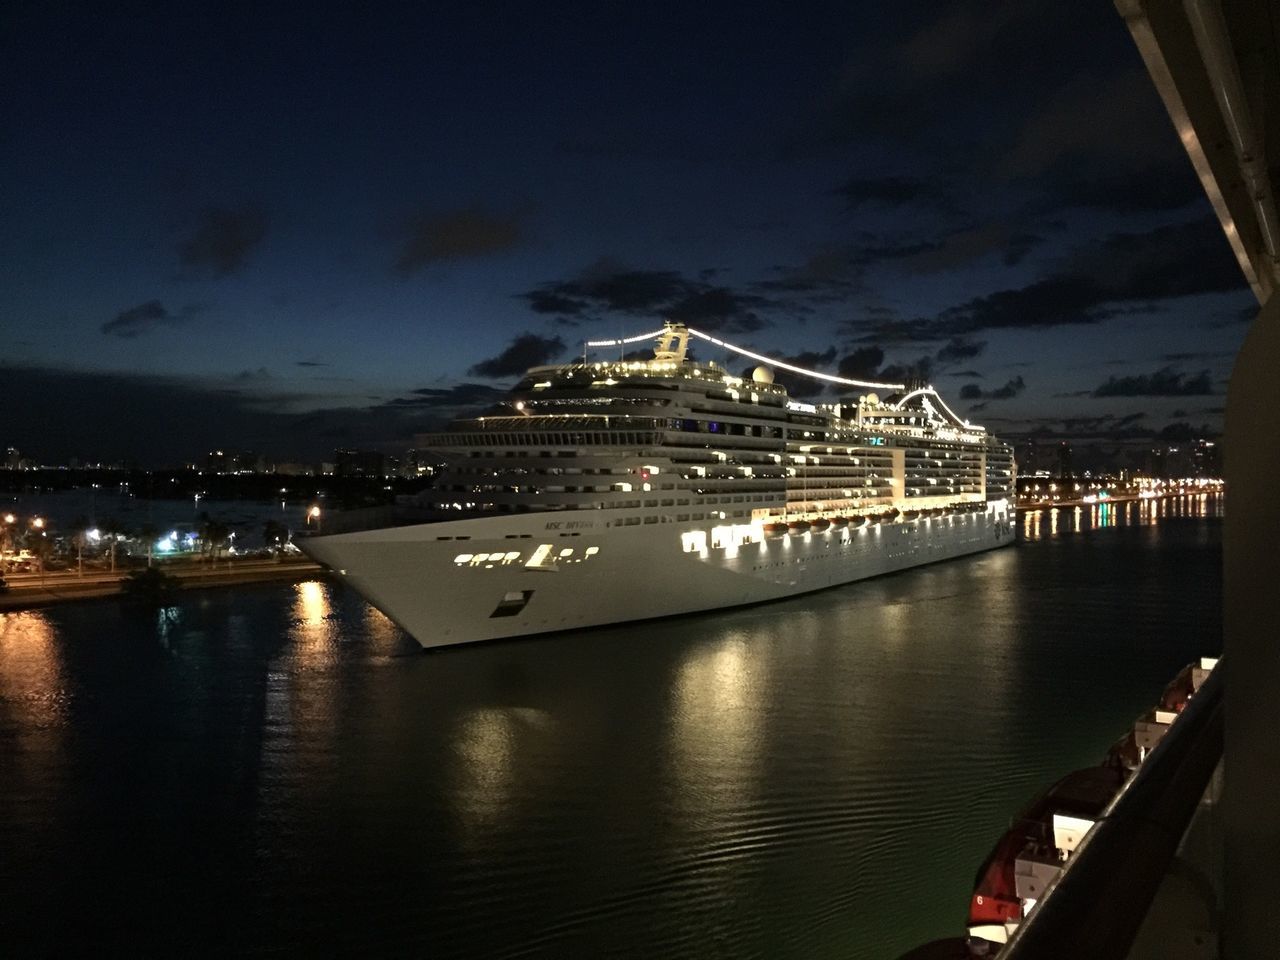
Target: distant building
{"type": "Point", "coordinates": [233, 461]}
{"type": "Point", "coordinates": [295, 469]}
{"type": "Point", "coordinates": [1065, 467]}
{"type": "Point", "coordinates": [12, 459]}
{"type": "Point", "coordinates": [359, 463]}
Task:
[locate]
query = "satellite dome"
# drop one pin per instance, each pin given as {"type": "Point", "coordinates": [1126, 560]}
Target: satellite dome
{"type": "Point", "coordinates": [873, 400]}
{"type": "Point", "coordinates": [762, 375]}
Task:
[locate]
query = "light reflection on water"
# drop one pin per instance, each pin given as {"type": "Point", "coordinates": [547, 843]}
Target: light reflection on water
{"type": "Point", "coordinates": [814, 778]}
{"type": "Point", "coordinates": [1054, 521]}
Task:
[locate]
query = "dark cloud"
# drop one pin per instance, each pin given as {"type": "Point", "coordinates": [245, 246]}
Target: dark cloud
{"type": "Point", "coordinates": [607, 287]}
{"type": "Point", "coordinates": [431, 238]}
{"type": "Point", "coordinates": [863, 364]}
{"type": "Point", "coordinates": [545, 301]}
{"type": "Point", "coordinates": [1165, 382]}
{"type": "Point", "coordinates": [800, 386]}
{"type": "Point", "coordinates": [919, 369]}
{"type": "Point", "coordinates": [888, 191]}
{"type": "Point", "coordinates": [460, 396]}
{"type": "Point", "coordinates": [1126, 272]}
{"type": "Point", "coordinates": [156, 421]}
{"type": "Point", "coordinates": [974, 374]}
{"type": "Point", "coordinates": [719, 308]}
{"type": "Point", "coordinates": [222, 239]}
{"type": "Point", "coordinates": [1197, 355]}
{"type": "Point", "coordinates": [309, 363]}
{"type": "Point", "coordinates": [971, 391]}
{"type": "Point", "coordinates": [252, 376]}
{"type": "Point", "coordinates": [1181, 432]}
{"type": "Point", "coordinates": [1164, 185]}
{"type": "Point", "coordinates": [144, 318]}
{"type": "Point", "coordinates": [525, 351]}
{"type": "Point", "coordinates": [958, 348]}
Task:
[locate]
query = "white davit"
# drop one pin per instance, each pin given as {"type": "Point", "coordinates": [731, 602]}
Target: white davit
{"type": "Point", "coordinates": [608, 492]}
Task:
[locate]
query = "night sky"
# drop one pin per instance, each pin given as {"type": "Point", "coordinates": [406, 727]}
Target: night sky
{"type": "Point", "coordinates": [286, 231]}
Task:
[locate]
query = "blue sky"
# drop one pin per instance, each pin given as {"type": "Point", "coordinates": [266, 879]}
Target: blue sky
{"type": "Point", "coordinates": [297, 228]}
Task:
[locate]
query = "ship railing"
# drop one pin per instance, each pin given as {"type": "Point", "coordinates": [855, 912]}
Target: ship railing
{"type": "Point", "coordinates": [1098, 904]}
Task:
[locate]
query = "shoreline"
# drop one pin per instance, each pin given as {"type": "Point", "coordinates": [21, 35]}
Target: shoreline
{"type": "Point", "coordinates": [30, 591]}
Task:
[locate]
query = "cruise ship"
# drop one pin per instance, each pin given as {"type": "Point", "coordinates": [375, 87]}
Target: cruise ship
{"type": "Point", "coordinates": [611, 491]}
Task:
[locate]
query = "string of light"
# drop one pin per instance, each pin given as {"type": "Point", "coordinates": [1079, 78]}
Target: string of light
{"type": "Point", "coordinates": [930, 391]}
{"type": "Point", "coordinates": [761, 358]}
{"type": "Point", "coordinates": [625, 340]}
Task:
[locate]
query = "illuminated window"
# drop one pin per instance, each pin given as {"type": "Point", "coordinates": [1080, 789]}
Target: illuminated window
{"type": "Point", "coordinates": [566, 552]}
{"type": "Point", "coordinates": [462, 558]}
{"type": "Point", "coordinates": [592, 551]}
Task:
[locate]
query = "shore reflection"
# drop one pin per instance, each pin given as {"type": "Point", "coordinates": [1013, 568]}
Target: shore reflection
{"type": "Point", "coordinates": [1049, 522]}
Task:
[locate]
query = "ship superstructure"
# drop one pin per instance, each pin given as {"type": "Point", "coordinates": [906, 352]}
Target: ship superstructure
{"type": "Point", "coordinates": [572, 502]}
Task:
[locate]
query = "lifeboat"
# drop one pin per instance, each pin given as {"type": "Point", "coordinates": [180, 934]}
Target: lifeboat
{"type": "Point", "coordinates": [839, 521]}
{"type": "Point", "coordinates": [775, 530]}
{"type": "Point", "coordinates": [1030, 854]}
{"type": "Point", "coordinates": [892, 513]}
{"type": "Point", "coordinates": [872, 518]}
{"type": "Point", "coordinates": [1185, 684]}
{"type": "Point", "coordinates": [911, 515]}
{"type": "Point", "coordinates": [797, 527]}
{"type": "Point", "coordinates": [820, 524]}
{"type": "Point", "coordinates": [857, 521]}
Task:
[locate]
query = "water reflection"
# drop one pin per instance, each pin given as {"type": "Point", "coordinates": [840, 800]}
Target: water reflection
{"type": "Point", "coordinates": [716, 725]}
{"type": "Point", "coordinates": [1050, 522]}
{"type": "Point", "coordinates": [32, 687]}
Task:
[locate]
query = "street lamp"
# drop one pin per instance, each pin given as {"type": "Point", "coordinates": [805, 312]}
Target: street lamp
{"type": "Point", "coordinates": [9, 518]}
{"type": "Point", "coordinates": [314, 514]}
{"type": "Point", "coordinates": [38, 522]}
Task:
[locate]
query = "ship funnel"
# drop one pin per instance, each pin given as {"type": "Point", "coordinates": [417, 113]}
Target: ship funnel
{"type": "Point", "coordinates": [673, 342]}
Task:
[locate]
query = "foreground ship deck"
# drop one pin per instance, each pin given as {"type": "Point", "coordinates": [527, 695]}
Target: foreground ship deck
{"type": "Point", "coordinates": [610, 492]}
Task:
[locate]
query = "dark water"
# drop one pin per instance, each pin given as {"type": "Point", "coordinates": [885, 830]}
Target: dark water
{"type": "Point", "coordinates": [281, 770]}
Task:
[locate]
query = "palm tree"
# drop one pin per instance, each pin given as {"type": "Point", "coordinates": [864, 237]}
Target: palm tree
{"type": "Point", "coordinates": [148, 531]}
{"type": "Point", "coordinates": [273, 534]}
{"type": "Point", "coordinates": [79, 531]}
{"type": "Point", "coordinates": [110, 527]}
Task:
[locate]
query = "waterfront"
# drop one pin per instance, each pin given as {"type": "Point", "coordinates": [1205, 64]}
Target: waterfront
{"type": "Point", "coordinates": [280, 768]}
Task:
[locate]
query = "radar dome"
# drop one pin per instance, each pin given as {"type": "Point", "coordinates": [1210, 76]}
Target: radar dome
{"type": "Point", "coordinates": [762, 375]}
{"type": "Point", "coordinates": [873, 400]}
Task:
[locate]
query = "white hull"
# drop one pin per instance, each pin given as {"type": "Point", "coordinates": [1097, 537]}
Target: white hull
{"type": "Point", "coordinates": [416, 577]}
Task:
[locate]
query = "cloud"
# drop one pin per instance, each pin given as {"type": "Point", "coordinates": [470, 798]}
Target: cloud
{"type": "Point", "coordinates": [863, 364]}
{"type": "Point", "coordinates": [889, 192]}
{"type": "Point", "coordinates": [457, 235]}
{"type": "Point", "coordinates": [222, 239]}
{"type": "Point", "coordinates": [608, 287]}
{"type": "Point", "coordinates": [448, 398]}
{"type": "Point", "coordinates": [974, 374]}
{"type": "Point", "coordinates": [253, 376]}
{"type": "Point", "coordinates": [958, 348]}
{"type": "Point", "coordinates": [1126, 272]}
{"type": "Point", "coordinates": [801, 386]}
{"type": "Point", "coordinates": [309, 363]}
{"type": "Point", "coordinates": [525, 351]}
{"type": "Point", "coordinates": [142, 319]}
{"type": "Point", "coordinates": [971, 391]}
{"type": "Point", "coordinates": [155, 420]}
{"type": "Point", "coordinates": [1165, 382]}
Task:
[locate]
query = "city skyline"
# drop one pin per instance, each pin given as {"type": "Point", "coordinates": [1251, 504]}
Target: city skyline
{"type": "Point", "coordinates": [301, 235]}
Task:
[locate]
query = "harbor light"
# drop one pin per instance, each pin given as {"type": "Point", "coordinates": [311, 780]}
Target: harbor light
{"type": "Point", "coordinates": [38, 522]}
{"type": "Point", "coordinates": [314, 513]}
{"type": "Point", "coordinates": [9, 518]}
